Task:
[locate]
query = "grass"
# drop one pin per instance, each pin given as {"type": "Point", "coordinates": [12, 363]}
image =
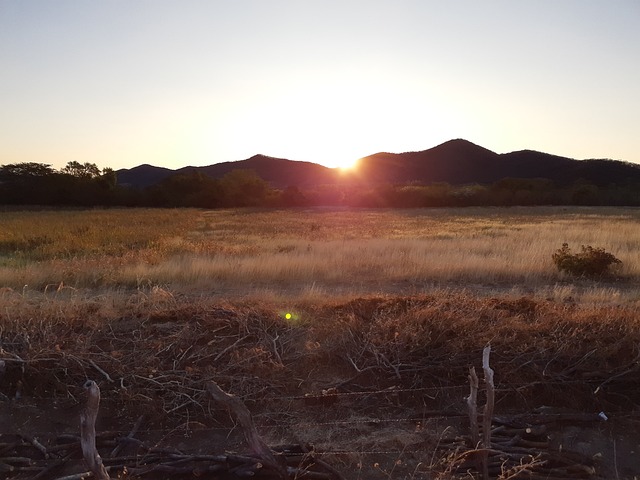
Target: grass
{"type": "Point", "coordinates": [161, 301]}
{"type": "Point", "coordinates": [302, 252]}
{"type": "Point", "coordinates": [32, 236]}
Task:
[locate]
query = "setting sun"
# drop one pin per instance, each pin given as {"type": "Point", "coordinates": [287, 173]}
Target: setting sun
{"type": "Point", "coordinates": [348, 165]}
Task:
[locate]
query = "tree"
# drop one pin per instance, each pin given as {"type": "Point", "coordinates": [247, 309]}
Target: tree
{"type": "Point", "coordinates": [27, 169]}
{"type": "Point", "coordinates": [82, 170]}
{"type": "Point", "coordinates": [186, 189]}
{"type": "Point", "coordinates": [244, 188]}
{"type": "Point", "coordinates": [292, 197]}
{"type": "Point", "coordinates": [108, 179]}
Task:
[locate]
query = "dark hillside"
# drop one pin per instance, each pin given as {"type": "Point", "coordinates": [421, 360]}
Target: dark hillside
{"type": "Point", "coordinates": [532, 164]}
{"type": "Point", "coordinates": [461, 162]}
{"type": "Point", "coordinates": [143, 175]}
{"type": "Point", "coordinates": [565, 171]}
{"type": "Point", "coordinates": [279, 172]}
{"type": "Point", "coordinates": [457, 162]}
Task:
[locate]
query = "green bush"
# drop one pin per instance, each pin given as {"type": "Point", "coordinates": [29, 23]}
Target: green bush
{"type": "Point", "coordinates": [589, 262]}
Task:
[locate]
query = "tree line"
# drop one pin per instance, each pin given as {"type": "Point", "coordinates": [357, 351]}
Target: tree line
{"type": "Point", "coordinates": [85, 185]}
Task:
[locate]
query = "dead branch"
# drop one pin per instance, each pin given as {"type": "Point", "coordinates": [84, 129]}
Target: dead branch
{"type": "Point", "coordinates": [228, 349]}
{"type": "Point", "coordinates": [34, 441]}
{"type": "Point", "coordinates": [256, 444]}
{"type": "Point", "coordinates": [129, 437]}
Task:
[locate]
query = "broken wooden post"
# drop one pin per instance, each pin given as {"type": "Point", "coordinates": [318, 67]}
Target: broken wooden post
{"type": "Point", "coordinates": [472, 400]}
{"type": "Point", "coordinates": [88, 431]}
{"type": "Point", "coordinates": [256, 444]}
{"type": "Point", "coordinates": [487, 414]}
{"type": "Point", "coordinates": [488, 407]}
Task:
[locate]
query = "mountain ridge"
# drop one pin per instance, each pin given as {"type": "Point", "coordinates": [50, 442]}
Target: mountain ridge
{"type": "Point", "coordinates": [456, 162]}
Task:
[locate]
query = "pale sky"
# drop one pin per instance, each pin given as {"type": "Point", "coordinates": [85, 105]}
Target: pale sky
{"type": "Point", "coordinates": [174, 83]}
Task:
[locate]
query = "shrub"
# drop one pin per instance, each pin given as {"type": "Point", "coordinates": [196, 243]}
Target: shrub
{"type": "Point", "coordinates": [589, 262]}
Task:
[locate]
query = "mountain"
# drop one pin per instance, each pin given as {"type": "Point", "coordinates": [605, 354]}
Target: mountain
{"type": "Point", "coordinates": [461, 162]}
{"type": "Point", "coordinates": [279, 172]}
{"type": "Point", "coordinates": [456, 162]}
{"type": "Point", "coordinates": [143, 175]}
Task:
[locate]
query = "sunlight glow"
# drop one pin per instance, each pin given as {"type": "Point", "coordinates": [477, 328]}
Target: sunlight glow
{"type": "Point", "coordinates": [348, 165]}
{"type": "Point", "coordinates": [334, 121]}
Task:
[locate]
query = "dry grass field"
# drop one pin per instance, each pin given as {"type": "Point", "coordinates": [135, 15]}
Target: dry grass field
{"type": "Point", "coordinates": [317, 252]}
{"type": "Point", "coordinates": [349, 330]}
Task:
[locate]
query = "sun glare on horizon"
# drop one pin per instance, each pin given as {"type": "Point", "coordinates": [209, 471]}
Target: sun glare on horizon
{"type": "Point", "coordinates": [348, 165]}
{"type": "Point", "coordinates": [333, 122]}
{"type": "Point", "coordinates": [345, 164]}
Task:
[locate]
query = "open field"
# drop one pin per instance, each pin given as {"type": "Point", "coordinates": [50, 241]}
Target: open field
{"type": "Point", "coordinates": [297, 253]}
{"type": "Point", "coordinates": [387, 310]}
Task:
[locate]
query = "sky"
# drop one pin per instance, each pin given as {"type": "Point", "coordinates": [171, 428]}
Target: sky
{"type": "Point", "coordinates": [121, 83]}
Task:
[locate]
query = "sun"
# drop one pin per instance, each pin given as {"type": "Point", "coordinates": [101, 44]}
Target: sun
{"type": "Point", "coordinates": [347, 164]}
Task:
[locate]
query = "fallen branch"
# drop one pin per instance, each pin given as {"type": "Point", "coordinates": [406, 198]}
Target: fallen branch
{"type": "Point", "coordinates": [256, 444]}
{"type": "Point", "coordinates": [129, 437]}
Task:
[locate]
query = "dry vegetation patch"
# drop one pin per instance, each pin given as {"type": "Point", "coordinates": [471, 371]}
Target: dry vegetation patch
{"type": "Point", "coordinates": [231, 253]}
{"type": "Point", "coordinates": [373, 374]}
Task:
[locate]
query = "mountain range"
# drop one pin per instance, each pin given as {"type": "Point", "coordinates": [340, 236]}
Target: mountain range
{"type": "Point", "coordinates": [456, 162]}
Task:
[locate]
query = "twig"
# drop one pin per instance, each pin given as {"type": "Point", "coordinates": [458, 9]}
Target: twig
{"type": "Point", "coordinates": [395, 368]}
{"type": "Point", "coordinates": [133, 431]}
{"type": "Point", "coordinates": [34, 441]}
{"type": "Point", "coordinates": [618, 375]}
{"type": "Point", "coordinates": [353, 364]}
{"type": "Point", "coordinates": [228, 349]}
{"type": "Point", "coordinates": [274, 340]}
{"type": "Point", "coordinates": [105, 374]}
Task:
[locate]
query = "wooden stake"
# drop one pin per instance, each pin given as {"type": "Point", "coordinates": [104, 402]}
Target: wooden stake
{"type": "Point", "coordinates": [88, 431]}
{"type": "Point", "coordinates": [488, 410]}
{"type": "Point", "coordinates": [472, 400]}
{"type": "Point", "coordinates": [488, 407]}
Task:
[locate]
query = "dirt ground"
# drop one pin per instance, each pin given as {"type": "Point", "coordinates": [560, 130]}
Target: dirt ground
{"type": "Point", "coordinates": [376, 388]}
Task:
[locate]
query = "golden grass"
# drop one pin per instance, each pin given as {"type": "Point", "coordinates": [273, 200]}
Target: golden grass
{"type": "Point", "coordinates": [66, 234]}
{"type": "Point", "coordinates": [315, 251]}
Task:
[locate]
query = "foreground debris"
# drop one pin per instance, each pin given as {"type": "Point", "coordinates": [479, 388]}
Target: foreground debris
{"type": "Point", "coordinates": [377, 388]}
{"type": "Point", "coordinates": [26, 457]}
